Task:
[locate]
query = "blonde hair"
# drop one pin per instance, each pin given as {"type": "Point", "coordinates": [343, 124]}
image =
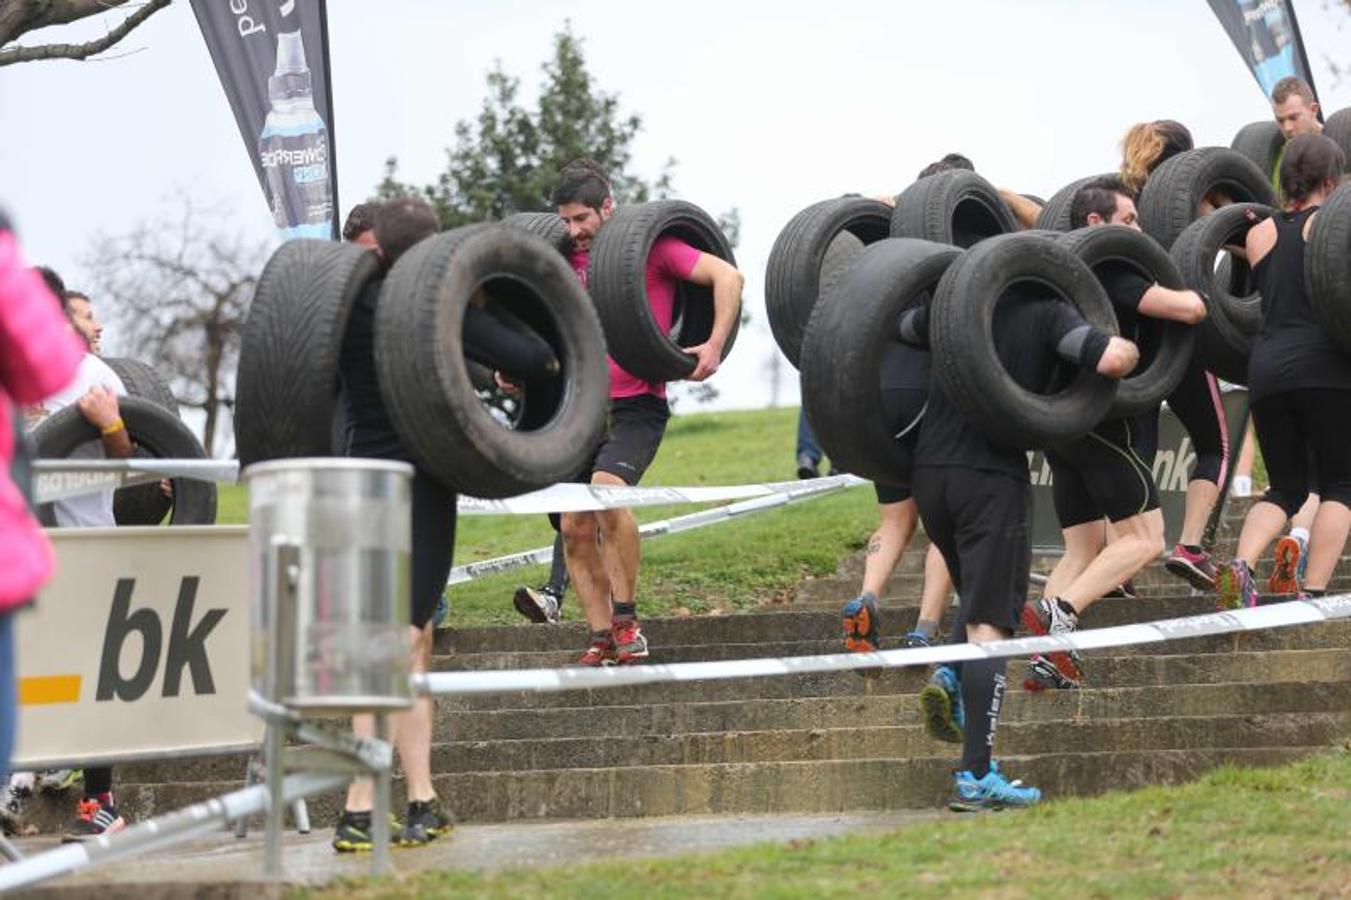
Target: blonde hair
{"type": "Point", "coordinates": [1146, 145]}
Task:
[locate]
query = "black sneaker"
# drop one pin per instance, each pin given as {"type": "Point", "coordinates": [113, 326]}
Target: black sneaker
{"type": "Point", "coordinates": [540, 605]}
{"type": "Point", "coordinates": [353, 833]}
{"type": "Point", "coordinates": [1042, 675]}
{"type": "Point", "coordinates": [426, 821]}
{"type": "Point", "coordinates": [93, 819]}
{"type": "Point", "coordinates": [806, 467]}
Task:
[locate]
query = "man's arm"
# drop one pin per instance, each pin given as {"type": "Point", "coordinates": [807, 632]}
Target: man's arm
{"type": "Point", "coordinates": [99, 408]}
{"type": "Point", "coordinates": [1024, 210]}
{"type": "Point", "coordinates": [1078, 342]}
{"type": "Point", "coordinates": [1160, 302]}
{"type": "Point", "coordinates": [491, 343]}
{"type": "Point", "coordinates": [727, 283]}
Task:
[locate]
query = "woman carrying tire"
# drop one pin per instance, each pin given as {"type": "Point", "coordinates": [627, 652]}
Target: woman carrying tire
{"type": "Point", "coordinates": [1196, 401]}
{"type": "Point", "coordinates": [1300, 383]}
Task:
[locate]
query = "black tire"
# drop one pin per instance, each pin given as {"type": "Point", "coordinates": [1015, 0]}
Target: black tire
{"type": "Point", "coordinates": [549, 226]}
{"type": "Point", "coordinates": [1165, 347]}
{"type": "Point", "coordinates": [1261, 143]}
{"type": "Point", "coordinates": [843, 348]}
{"type": "Point", "coordinates": [1224, 338]}
{"type": "Point", "coordinates": [964, 354]}
{"type": "Point", "coordinates": [953, 207]}
{"type": "Point", "coordinates": [152, 429]}
{"type": "Point", "coordinates": [616, 277]}
{"type": "Point", "coordinates": [426, 385]}
{"type": "Point", "coordinates": [1338, 127]}
{"type": "Point", "coordinates": [1055, 213]}
{"type": "Point", "coordinates": [142, 504]}
{"type": "Point", "coordinates": [1327, 266]}
{"type": "Point", "coordinates": [1170, 197]}
{"type": "Point", "coordinates": [287, 386]}
{"type": "Point", "coordinates": [813, 250]}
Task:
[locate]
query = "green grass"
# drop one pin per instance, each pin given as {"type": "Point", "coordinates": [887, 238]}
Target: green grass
{"type": "Point", "coordinates": [725, 567]}
{"type": "Point", "coordinates": [1279, 832]}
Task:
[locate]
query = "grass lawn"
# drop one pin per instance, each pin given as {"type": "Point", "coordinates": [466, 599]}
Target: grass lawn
{"type": "Point", "coordinates": [1281, 832]}
{"type": "Point", "coordinates": [728, 566]}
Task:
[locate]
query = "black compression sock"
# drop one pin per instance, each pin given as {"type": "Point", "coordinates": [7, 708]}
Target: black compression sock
{"type": "Point", "coordinates": [1316, 592]}
{"type": "Point", "coordinates": [983, 683]}
{"type": "Point", "coordinates": [1192, 548]}
{"type": "Point", "coordinates": [624, 610]}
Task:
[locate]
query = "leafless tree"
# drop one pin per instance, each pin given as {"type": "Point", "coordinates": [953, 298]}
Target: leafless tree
{"type": "Point", "coordinates": [175, 293]}
{"type": "Point", "coordinates": [18, 17]}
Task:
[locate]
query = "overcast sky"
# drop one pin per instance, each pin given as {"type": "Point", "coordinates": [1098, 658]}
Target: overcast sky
{"type": "Point", "coordinates": [767, 106]}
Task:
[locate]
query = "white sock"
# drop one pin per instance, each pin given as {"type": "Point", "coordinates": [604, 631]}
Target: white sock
{"type": "Point", "coordinates": [1241, 486]}
{"type": "Point", "coordinates": [1301, 535]}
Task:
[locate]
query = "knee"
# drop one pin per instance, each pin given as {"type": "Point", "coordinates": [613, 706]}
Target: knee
{"type": "Point", "coordinates": [578, 530]}
{"type": "Point", "coordinates": [611, 521]}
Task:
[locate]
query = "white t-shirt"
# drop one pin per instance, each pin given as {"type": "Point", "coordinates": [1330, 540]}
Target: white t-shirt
{"type": "Point", "coordinates": [88, 510]}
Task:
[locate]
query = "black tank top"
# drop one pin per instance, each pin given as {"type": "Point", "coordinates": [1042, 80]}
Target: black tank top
{"type": "Point", "coordinates": [1293, 350]}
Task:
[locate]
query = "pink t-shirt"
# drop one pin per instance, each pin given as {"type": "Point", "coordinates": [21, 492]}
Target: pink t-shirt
{"type": "Point", "coordinates": [671, 260]}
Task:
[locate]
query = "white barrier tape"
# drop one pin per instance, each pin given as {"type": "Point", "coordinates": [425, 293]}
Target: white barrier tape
{"type": "Point", "coordinates": [60, 479]}
{"type": "Point", "coordinates": [806, 489]}
{"type": "Point", "coordinates": [161, 831]}
{"type": "Point", "coordinates": [1277, 615]}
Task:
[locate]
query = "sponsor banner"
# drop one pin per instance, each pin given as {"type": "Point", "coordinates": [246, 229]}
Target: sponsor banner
{"type": "Point", "coordinates": [59, 479]}
{"type": "Point", "coordinates": [1173, 466]}
{"type": "Point", "coordinates": [1260, 618]}
{"type": "Point", "coordinates": [1266, 34]}
{"type": "Point", "coordinates": [138, 648]}
{"type": "Point", "coordinates": [272, 59]}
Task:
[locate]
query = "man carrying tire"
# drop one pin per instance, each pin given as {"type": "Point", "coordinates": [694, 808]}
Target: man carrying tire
{"type": "Point", "coordinates": [602, 547]}
{"type": "Point", "coordinates": [1105, 474]}
{"type": "Point", "coordinates": [975, 500]}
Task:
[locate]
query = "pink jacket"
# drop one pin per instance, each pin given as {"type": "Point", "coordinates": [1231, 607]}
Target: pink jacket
{"type": "Point", "coordinates": [39, 355]}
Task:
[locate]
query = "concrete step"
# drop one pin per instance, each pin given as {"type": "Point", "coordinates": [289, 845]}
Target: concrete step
{"type": "Point", "coordinates": [1302, 637]}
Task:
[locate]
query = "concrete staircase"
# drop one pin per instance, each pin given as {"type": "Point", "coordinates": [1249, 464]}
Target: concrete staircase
{"type": "Point", "coordinates": [822, 743]}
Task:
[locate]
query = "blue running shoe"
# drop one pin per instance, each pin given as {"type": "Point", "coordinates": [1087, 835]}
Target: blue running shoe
{"type": "Point", "coordinates": [1303, 565]}
{"type": "Point", "coordinates": [993, 792]}
{"type": "Point", "coordinates": [859, 616]}
{"type": "Point", "coordinates": [941, 700]}
{"type": "Point", "coordinates": [912, 639]}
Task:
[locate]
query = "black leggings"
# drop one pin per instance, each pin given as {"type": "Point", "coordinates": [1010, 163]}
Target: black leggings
{"type": "Point", "coordinates": [1303, 439]}
{"type": "Point", "coordinates": [433, 543]}
{"type": "Point", "coordinates": [1198, 404]}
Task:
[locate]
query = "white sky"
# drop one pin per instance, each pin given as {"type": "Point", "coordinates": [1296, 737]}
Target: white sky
{"type": "Point", "coordinates": [767, 106]}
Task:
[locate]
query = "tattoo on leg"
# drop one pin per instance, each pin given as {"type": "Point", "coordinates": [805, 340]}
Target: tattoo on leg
{"type": "Point", "coordinates": [874, 545]}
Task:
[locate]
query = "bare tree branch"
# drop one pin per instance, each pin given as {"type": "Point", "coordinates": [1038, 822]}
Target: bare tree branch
{"type": "Point", "coordinates": [20, 16]}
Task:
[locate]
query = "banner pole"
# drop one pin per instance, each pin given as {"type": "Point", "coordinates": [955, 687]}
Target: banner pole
{"type": "Point", "coordinates": [332, 127]}
{"type": "Point", "coordinates": [1300, 53]}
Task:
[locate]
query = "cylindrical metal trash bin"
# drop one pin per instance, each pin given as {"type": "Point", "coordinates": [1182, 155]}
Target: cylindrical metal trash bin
{"type": "Point", "coordinates": [330, 541]}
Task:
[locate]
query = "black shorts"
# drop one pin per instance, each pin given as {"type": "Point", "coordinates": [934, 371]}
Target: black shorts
{"type": "Point", "coordinates": [981, 522]}
{"type": "Point", "coordinates": [1101, 474]}
{"type": "Point", "coordinates": [434, 511]}
{"type": "Point", "coordinates": [633, 435]}
{"type": "Point", "coordinates": [891, 493]}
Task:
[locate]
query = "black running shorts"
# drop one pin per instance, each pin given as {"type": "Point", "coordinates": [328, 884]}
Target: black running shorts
{"type": "Point", "coordinates": [1101, 474]}
{"type": "Point", "coordinates": [632, 437]}
{"type": "Point", "coordinates": [981, 523]}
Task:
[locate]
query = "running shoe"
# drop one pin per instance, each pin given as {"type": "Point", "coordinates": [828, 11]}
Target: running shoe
{"type": "Point", "coordinates": [56, 781]}
{"type": "Point", "coordinates": [806, 467]}
{"type": "Point", "coordinates": [941, 700]}
{"type": "Point", "coordinates": [1285, 576]}
{"type": "Point", "coordinates": [1042, 675]}
{"type": "Point", "coordinates": [992, 792]}
{"type": "Point", "coordinates": [912, 639]}
{"type": "Point", "coordinates": [1303, 559]}
{"type": "Point", "coordinates": [1196, 569]}
{"type": "Point", "coordinates": [1044, 616]}
{"type": "Point", "coordinates": [353, 832]}
{"type": "Point", "coordinates": [92, 819]}
{"type": "Point", "coordinates": [600, 653]}
{"type": "Point", "coordinates": [1235, 586]}
{"type": "Point", "coordinates": [861, 634]}
{"type": "Point", "coordinates": [425, 822]}
{"type": "Point", "coordinates": [629, 643]}
{"type": "Point", "coordinates": [540, 605]}
{"type": "Point", "coordinates": [1123, 591]}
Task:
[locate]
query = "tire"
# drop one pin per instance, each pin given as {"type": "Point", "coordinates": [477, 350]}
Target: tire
{"type": "Point", "coordinates": [1165, 347]}
{"type": "Point", "coordinates": [549, 226]}
{"type": "Point", "coordinates": [1224, 339]}
{"type": "Point", "coordinates": [152, 429]}
{"type": "Point", "coordinates": [964, 354]}
{"type": "Point", "coordinates": [426, 385]}
{"type": "Point", "coordinates": [1261, 143]}
{"type": "Point", "coordinates": [1327, 266]}
{"type": "Point", "coordinates": [953, 207]}
{"type": "Point", "coordinates": [1338, 127]}
{"type": "Point", "coordinates": [843, 348]}
{"type": "Point", "coordinates": [1176, 188]}
{"type": "Point", "coordinates": [616, 277]}
{"type": "Point", "coordinates": [287, 386]}
{"type": "Point", "coordinates": [810, 254]}
{"type": "Point", "coordinates": [1055, 213]}
{"type": "Point", "coordinates": [142, 504]}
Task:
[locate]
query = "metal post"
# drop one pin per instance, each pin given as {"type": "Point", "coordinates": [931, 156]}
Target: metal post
{"type": "Point", "coordinates": [250, 779]}
{"type": "Point", "coordinates": [301, 811]}
{"type": "Point", "coordinates": [380, 817]}
{"type": "Point", "coordinates": [276, 810]}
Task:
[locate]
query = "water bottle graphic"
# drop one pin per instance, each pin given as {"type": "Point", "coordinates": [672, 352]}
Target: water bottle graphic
{"type": "Point", "coordinates": [293, 148]}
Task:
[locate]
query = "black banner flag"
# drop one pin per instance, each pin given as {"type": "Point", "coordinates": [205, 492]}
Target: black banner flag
{"type": "Point", "coordinates": [272, 58]}
{"type": "Point", "coordinates": [1267, 37]}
